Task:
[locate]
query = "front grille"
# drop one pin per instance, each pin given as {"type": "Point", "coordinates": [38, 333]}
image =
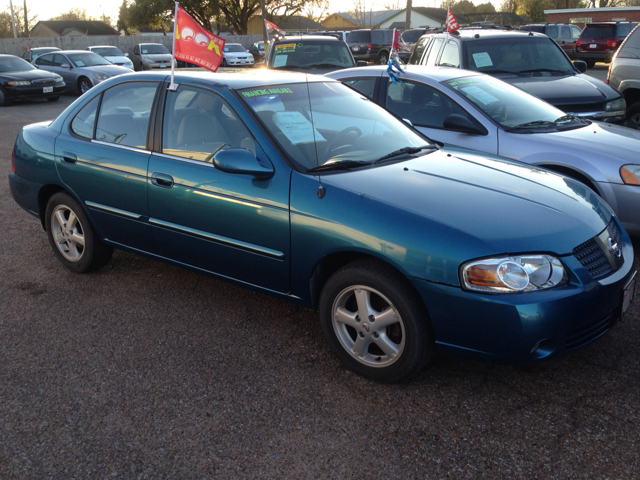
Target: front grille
{"type": "Point", "coordinates": [581, 336]}
{"type": "Point", "coordinates": [44, 81]}
{"type": "Point", "coordinates": [591, 256]}
{"type": "Point", "coordinates": [594, 254]}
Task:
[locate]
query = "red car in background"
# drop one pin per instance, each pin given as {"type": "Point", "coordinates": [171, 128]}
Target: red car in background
{"type": "Point", "coordinates": [599, 42]}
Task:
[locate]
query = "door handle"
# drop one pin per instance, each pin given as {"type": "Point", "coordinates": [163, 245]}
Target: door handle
{"type": "Point", "coordinates": [162, 180]}
{"type": "Point", "coordinates": [68, 157]}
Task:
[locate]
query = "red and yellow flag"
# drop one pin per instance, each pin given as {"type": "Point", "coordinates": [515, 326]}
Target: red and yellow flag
{"type": "Point", "coordinates": [194, 44]}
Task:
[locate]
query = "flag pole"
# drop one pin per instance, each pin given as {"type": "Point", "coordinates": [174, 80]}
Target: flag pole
{"type": "Point", "coordinates": [173, 86]}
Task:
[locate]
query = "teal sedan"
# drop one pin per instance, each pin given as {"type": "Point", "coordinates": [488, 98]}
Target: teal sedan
{"type": "Point", "coordinates": [302, 188]}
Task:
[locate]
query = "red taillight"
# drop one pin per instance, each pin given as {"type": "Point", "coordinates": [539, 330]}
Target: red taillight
{"type": "Point", "coordinates": [579, 42]}
{"type": "Point", "coordinates": [370, 46]}
{"type": "Point", "coordinates": [13, 165]}
{"type": "Point", "coordinates": [612, 43]}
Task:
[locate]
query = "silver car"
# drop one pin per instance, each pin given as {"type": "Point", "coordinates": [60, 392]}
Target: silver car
{"type": "Point", "coordinates": [235, 55]}
{"type": "Point", "coordinates": [80, 69]}
{"type": "Point", "coordinates": [113, 54]}
{"type": "Point", "coordinates": [480, 112]}
{"type": "Point", "coordinates": [148, 56]}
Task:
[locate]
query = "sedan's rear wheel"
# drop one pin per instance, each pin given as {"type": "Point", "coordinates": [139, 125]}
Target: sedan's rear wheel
{"type": "Point", "coordinates": [375, 322]}
{"type": "Point", "coordinates": [84, 85]}
{"type": "Point", "coordinates": [71, 236]}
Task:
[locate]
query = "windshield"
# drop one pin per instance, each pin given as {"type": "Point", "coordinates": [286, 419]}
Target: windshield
{"type": "Point", "coordinates": [234, 47]}
{"type": "Point", "coordinates": [328, 123]}
{"type": "Point", "coordinates": [153, 49]}
{"type": "Point", "coordinates": [520, 54]}
{"type": "Point", "coordinates": [14, 64]}
{"type": "Point", "coordinates": [108, 51]}
{"type": "Point", "coordinates": [311, 54]}
{"type": "Point", "coordinates": [509, 106]}
{"type": "Point", "coordinates": [88, 59]}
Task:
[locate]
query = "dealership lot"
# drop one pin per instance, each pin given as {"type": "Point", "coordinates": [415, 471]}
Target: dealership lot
{"type": "Point", "coordinates": [145, 370]}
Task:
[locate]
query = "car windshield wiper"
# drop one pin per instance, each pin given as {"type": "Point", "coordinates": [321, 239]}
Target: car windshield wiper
{"type": "Point", "coordinates": [405, 151]}
{"type": "Point", "coordinates": [569, 117]}
{"type": "Point", "coordinates": [339, 165]}
{"type": "Point", "coordinates": [535, 123]}
{"type": "Point", "coordinates": [532, 70]}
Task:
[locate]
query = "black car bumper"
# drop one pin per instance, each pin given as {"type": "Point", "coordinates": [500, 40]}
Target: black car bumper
{"type": "Point", "coordinates": [24, 92]}
{"type": "Point", "coordinates": [587, 56]}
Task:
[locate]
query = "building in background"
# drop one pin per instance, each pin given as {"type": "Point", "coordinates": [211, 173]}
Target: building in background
{"type": "Point", "coordinates": [582, 16]}
{"type": "Point", "coordinates": [353, 20]}
{"type": "Point", "coordinates": [71, 28]}
{"type": "Point", "coordinates": [290, 24]}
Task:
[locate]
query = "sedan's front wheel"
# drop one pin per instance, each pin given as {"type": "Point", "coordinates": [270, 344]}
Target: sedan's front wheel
{"type": "Point", "coordinates": [375, 322]}
{"type": "Point", "coordinates": [4, 98]}
{"type": "Point", "coordinates": [71, 236]}
{"type": "Point", "coordinates": [84, 85]}
{"type": "Point", "coordinates": [633, 116]}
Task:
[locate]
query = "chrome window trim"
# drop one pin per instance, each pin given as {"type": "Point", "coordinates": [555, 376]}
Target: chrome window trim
{"type": "Point", "coordinates": [183, 159]}
{"type": "Point", "coordinates": [124, 147]}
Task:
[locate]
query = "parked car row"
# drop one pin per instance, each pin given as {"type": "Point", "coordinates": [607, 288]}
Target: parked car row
{"type": "Point", "coordinates": [302, 188]}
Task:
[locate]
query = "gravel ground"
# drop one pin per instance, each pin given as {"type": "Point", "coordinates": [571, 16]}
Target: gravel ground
{"type": "Point", "coordinates": [144, 370]}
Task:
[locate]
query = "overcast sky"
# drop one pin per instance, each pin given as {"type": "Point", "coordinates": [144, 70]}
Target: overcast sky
{"type": "Point", "coordinates": [46, 9]}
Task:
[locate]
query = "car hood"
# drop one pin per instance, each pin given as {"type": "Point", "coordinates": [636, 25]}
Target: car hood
{"type": "Point", "coordinates": [570, 90]}
{"type": "Point", "coordinates": [27, 75]}
{"type": "Point", "coordinates": [117, 59]}
{"type": "Point", "coordinates": [605, 145]}
{"type": "Point", "coordinates": [111, 70]}
{"type": "Point", "coordinates": [158, 56]}
{"type": "Point", "coordinates": [472, 205]}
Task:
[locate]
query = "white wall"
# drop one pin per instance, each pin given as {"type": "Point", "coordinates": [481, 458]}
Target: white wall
{"type": "Point", "coordinates": [417, 20]}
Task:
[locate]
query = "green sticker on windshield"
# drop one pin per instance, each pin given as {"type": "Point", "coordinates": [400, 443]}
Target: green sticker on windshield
{"type": "Point", "coordinates": [462, 82]}
{"type": "Point", "coordinates": [285, 48]}
{"type": "Point", "coordinates": [266, 91]}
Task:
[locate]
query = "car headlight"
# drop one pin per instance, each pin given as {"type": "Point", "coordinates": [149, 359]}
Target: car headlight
{"type": "Point", "coordinates": [630, 174]}
{"type": "Point", "coordinates": [100, 76]}
{"type": "Point", "coordinates": [129, 64]}
{"type": "Point", "coordinates": [619, 105]}
{"type": "Point", "coordinates": [147, 59]}
{"type": "Point", "coordinates": [18, 83]}
{"type": "Point", "coordinates": [512, 274]}
{"type": "Point", "coordinates": [59, 80]}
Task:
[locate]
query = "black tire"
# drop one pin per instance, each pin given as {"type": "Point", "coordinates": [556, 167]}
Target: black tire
{"type": "Point", "coordinates": [590, 63]}
{"type": "Point", "coordinates": [4, 98]}
{"type": "Point", "coordinates": [224, 63]}
{"type": "Point", "coordinates": [383, 58]}
{"type": "Point", "coordinates": [64, 234]}
{"type": "Point", "coordinates": [53, 99]}
{"type": "Point", "coordinates": [84, 85]}
{"type": "Point", "coordinates": [404, 327]}
{"type": "Point", "coordinates": [633, 116]}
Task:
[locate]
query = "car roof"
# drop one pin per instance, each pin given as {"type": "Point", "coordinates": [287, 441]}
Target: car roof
{"type": "Point", "coordinates": [72, 51]}
{"type": "Point", "coordinates": [303, 38]}
{"type": "Point", "coordinates": [235, 80]}
{"type": "Point", "coordinates": [148, 43]}
{"type": "Point", "coordinates": [483, 33]}
{"type": "Point", "coordinates": [437, 74]}
{"type": "Point", "coordinates": [103, 46]}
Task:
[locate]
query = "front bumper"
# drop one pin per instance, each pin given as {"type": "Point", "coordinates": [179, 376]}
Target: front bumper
{"type": "Point", "coordinates": [624, 200]}
{"type": "Point", "coordinates": [240, 62]}
{"type": "Point", "coordinates": [34, 91]}
{"type": "Point", "coordinates": [526, 327]}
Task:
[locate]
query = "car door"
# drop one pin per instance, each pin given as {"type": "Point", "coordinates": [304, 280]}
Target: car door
{"type": "Point", "coordinates": [66, 72]}
{"type": "Point", "coordinates": [231, 224]}
{"type": "Point", "coordinates": [102, 157]}
{"type": "Point", "coordinates": [427, 107]}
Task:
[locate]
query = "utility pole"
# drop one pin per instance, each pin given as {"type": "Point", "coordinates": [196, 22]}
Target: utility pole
{"type": "Point", "coordinates": [407, 20]}
{"type": "Point", "coordinates": [13, 20]}
{"type": "Point", "coordinates": [26, 20]}
{"type": "Point", "coordinates": [265, 37]}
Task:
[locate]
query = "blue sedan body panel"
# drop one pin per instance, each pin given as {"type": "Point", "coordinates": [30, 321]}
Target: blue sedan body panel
{"type": "Point", "coordinates": [425, 216]}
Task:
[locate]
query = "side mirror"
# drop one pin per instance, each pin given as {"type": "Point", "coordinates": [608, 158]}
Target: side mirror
{"type": "Point", "coordinates": [242, 161]}
{"type": "Point", "coordinates": [459, 123]}
{"type": "Point", "coordinates": [581, 65]}
{"type": "Point", "coordinates": [65, 65]}
{"type": "Point", "coordinates": [406, 120]}
{"type": "Point", "coordinates": [362, 63]}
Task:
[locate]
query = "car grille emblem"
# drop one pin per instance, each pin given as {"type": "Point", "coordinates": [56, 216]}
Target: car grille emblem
{"type": "Point", "coordinates": [613, 248]}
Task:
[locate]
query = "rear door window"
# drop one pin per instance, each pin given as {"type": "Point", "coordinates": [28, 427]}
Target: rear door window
{"type": "Point", "coordinates": [631, 47]}
{"type": "Point", "coordinates": [364, 85]}
{"type": "Point", "coordinates": [450, 55]}
{"type": "Point", "coordinates": [419, 49]}
{"type": "Point", "coordinates": [552, 31]}
{"type": "Point", "coordinates": [565, 33]}
{"type": "Point", "coordinates": [430, 60]}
